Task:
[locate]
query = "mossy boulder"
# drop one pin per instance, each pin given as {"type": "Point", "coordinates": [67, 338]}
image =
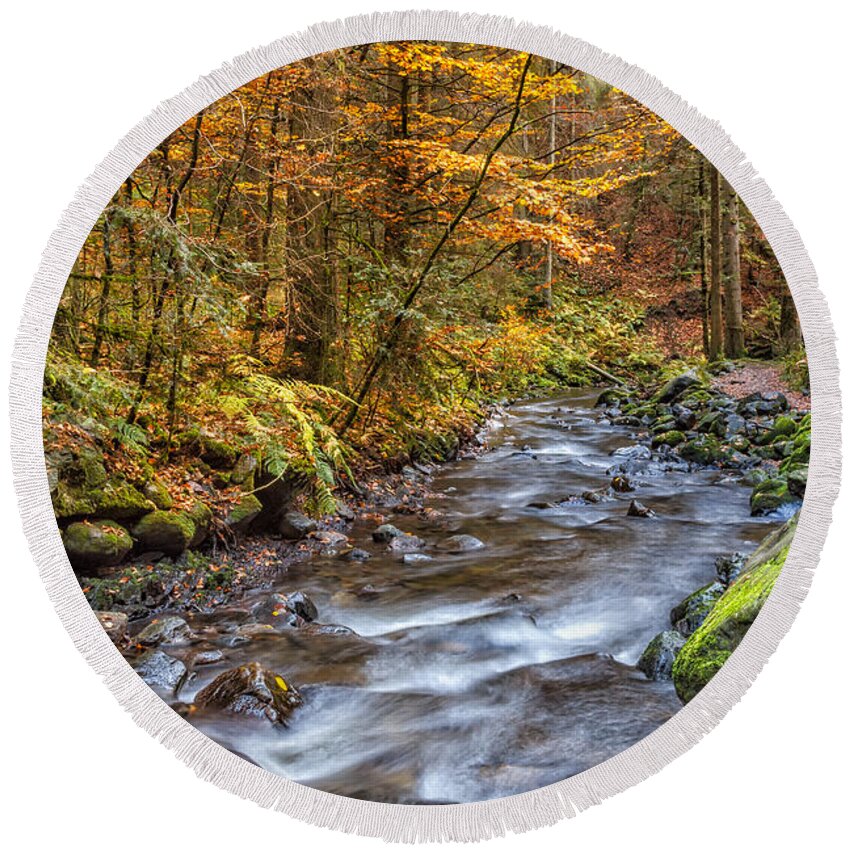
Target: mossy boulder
{"type": "Point", "coordinates": [668, 438]}
{"type": "Point", "coordinates": [612, 396]}
{"type": "Point", "coordinates": [216, 453]}
{"type": "Point", "coordinates": [157, 493]}
{"type": "Point", "coordinates": [691, 612]}
{"type": "Point", "coordinates": [704, 450]}
{"type": "Point", "coordinates": [96, 545]}
{"type": "Point", "coordinates": [164, 531]}
{"type": "Point", "coordinates": [797, 478]}
{"type": "Point", "coordinates": [675, 387]}
{"type": "Point", "coordinates": [770, 495]}
{"type": "Point", "coordinates": [243, 471]}
{"type": "Point", "coordinates": [708, 648]}
{"type": "Point", "coordinates": [783, 427]}
{"type": "Point", "coordinates": [656, 662]}
{"type": "Point", "coordinates": [202, 517]}
{"type": "Point", "coordinates": [243, 513]}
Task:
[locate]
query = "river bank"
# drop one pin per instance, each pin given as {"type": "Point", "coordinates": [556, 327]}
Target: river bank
{"type": "Point", "coordinates": [499, 623]}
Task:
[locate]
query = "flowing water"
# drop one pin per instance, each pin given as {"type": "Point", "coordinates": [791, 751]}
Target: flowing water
{"type": "Point", "coordinates": [495, 671]}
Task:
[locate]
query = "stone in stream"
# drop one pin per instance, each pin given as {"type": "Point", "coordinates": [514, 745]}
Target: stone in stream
{"type": "Point", "coordinates": [167, 630]}
{"type": "Point", "coordinates": [252, 690]}
{"type": "Point", "coordinates": [96, 545]}
{"type": "Point", "coordinates": [638, 509]}
{"type": "Point", "coordinates": [461, 543]}
{"type": "Point", "coordinates": [416, 558]}
{"type": "Point", "coordinates": [406, 543]}
{"type": "Point", "coordinates": [158, 669]}
{"type": "Point", "coordinates": [296, 526]}
{"type": "Point", "coordinates": [356, 555]}
{"type": "Point", "coordinates": [729, 567]}
{"type": "Point", "coordinates": [114, 623]}
{"type": "Point", "coordinates": [301, 604]}
{"type": "Point", "coordinates": [206, 656]}
{"type": "Point", "coordinates": [635, 452]}
{"type": "Point", "coordinates": [691, 612]}
{"type": "Point", "coordinates": [656, 662]}
{"type": "Point", "coordinates": [621, 484]}
{"type": "Point", "coordinates": [384, 533]}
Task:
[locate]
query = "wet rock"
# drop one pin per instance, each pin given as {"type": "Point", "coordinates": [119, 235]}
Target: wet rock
{"type": "Point", "coordinates": [656, 662]}
{"type": "Point", "coordinates": [638, 509]}
{"type": "Point", "coordinates": [296, 526]}
{"type": "Point", "coordinates": [343, 511]}
{"type": "Point", "coordinates": [594, 497]}
{"type": "Point", "coordinates": [797, 481]}
{"type": "Point", "coordinates": [114, 623]}
{"type": "Point", "coordinates": [684, 417]}
{"type": "Point", "coordinates": [541, 506]}
{"type": "Point", "coordinates": [165, 630]}
{"type": "Point", "coordinates": [158, 669]}
{"type": "Point", "coordinates": [621, 484]}
{"type": "Point", "coordinates": [735, 425]}
{"type": "Point", "coordinates": [416, 558]}
{"type": "Point", "coordinates": [164, 531]}
{"type": "Point", "coordinates": [705, 450]}
{"type": "Point", "coordinates": [668, 438]}
{"type": "Point", "coordinates": [206, 656]}
{"type": "Point", "coordinates": [635, 452]}
{"type": "Point", "coordinates": [385, 533]}
{"type": "Point", "coordinates": [252, 690]}
{"type": "Point", "coordinates": [770, 495]}
{"type": "Point", "coordinates": [406, 543]}
{"type": "Point", "coordinates": [676, 386]}
{"type": "Point", "coordinates": [96, 545]}
{"type": "Point", "coordinates": [327, 629]}
{"type": "Point", "coordinates": [461, 543]}
{"type": "Point", "coordinates": [356, 555]}
{"type": "Point", "coordinates": [274, 609]}
{"type": "Point", "coordinates": [301, 604]}
{"type": "Point", "coordinates": [728, 567]}
{"type": "Point", "coordinates": [611, 396]}
{"type": "Point", "coordinates": [691, 612]}
{"type": "Point", "coordinates": [243, 513]}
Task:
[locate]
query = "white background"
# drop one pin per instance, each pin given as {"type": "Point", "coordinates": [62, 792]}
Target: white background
{"type": "Point", "coordinates": [77, 77]}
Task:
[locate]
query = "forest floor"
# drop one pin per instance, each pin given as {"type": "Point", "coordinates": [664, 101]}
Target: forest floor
{"type": "Point", "coordinates": [752, 377]}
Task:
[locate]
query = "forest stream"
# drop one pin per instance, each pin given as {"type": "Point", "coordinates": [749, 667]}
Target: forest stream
{"type": "Point", "coordinates": [477, 674]}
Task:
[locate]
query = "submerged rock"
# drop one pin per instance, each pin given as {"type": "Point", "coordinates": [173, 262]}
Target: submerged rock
{"type": "Point", "coordinates": [96, 545]}
{"type": "Point", "coordinates": [416, 558]}
{"type": "Point", "coordinates": [301, 604]}
{"type": "Point", "coordinates": [357, 555]}
{"type": "Point", "coordinates": [770, 495]}
{"type": "Point", "coordinates": [691, 612]}
{"type": "Point", "coordinates": [656, 662]}
{"type": "Point", "coordinates": [158, 669]}
{"type": "Point", "coordinates": [252, 690]}
{"type": "Point", "coordinates": [165, 630]}
{"type": "Point", "coordinates": [461, 543]}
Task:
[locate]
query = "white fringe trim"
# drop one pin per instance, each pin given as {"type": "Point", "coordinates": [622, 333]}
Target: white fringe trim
{"type": "Point", "coordinates": [470, 821]}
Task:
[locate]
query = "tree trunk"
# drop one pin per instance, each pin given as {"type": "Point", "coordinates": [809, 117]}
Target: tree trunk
{"type": "Point", "coordinates": [715, 300]}
{"type": "Point", "coordinates": [703, 259]}
{"type": "Point", "coordinates": [790, 335]}
{"type": "Point", "coordinates": [732, 274]}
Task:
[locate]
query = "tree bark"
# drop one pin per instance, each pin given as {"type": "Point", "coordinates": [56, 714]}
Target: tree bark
{"type": "Point", "coordinates": [715, 298]}
{"type": "Point", "coordinates": [734, 337]}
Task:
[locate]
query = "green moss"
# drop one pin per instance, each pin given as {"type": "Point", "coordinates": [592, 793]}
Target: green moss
{"type": "Point", "coordinates": [784, 426]}
{"type": "Point", "coordinates": [668, 438]}
{"type": "Point", "coordinates": [157, 492]}
{"type": "Point", "coordinates": [217, 453]}
{"type": "Point", "coordinates": [95, 545]}
{"type": "Point", "coordinates": [164, 531]}
{"type": "Point", "coordinates": [708, 648]}
{"type": "Point", "coordinates": [769, 495]}
{"type": "Point", "coordinates": [243, 512]}
{"type": "Point", "coordinates": [704, 450]}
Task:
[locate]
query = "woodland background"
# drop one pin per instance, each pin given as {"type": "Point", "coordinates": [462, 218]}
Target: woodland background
{"type": "Point", "coordinates": [345, 259]}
